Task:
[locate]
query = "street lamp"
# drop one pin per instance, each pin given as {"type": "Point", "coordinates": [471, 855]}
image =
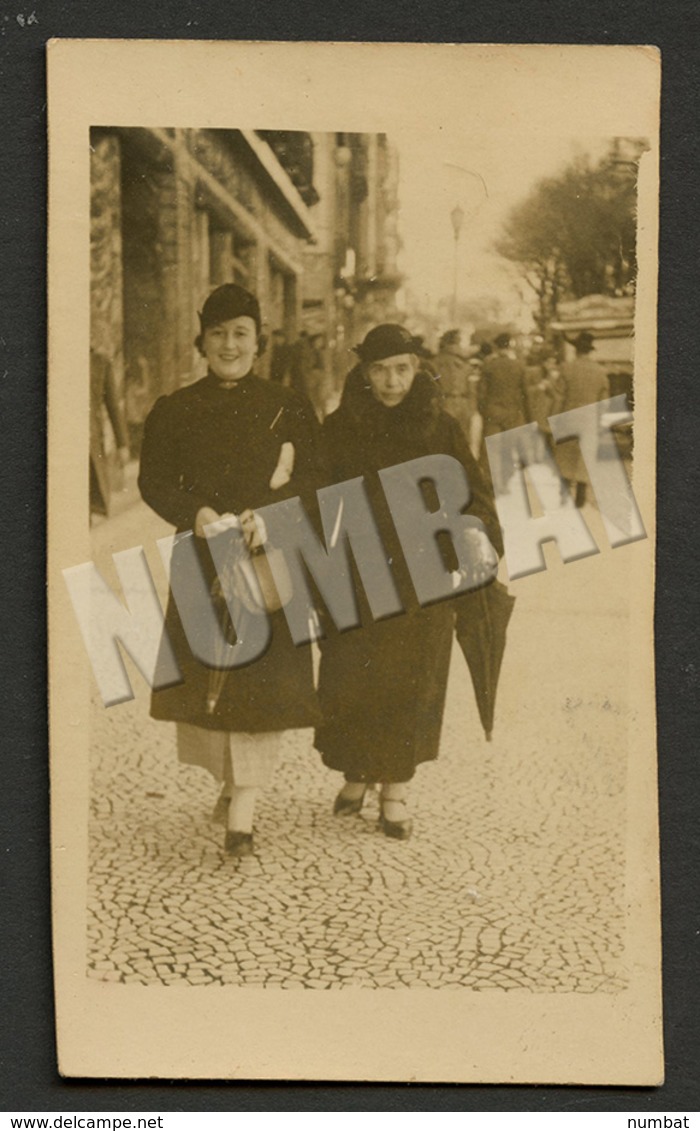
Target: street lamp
{"type": "Point", "coordinates": [457, 218]}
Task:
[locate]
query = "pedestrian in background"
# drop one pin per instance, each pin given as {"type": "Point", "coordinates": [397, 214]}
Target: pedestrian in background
{"type": "Point", "coordinates": [581, 382]}
{"type": "Point", "coordinates": [318, 383]}
{"type": "Point", "coordinates": [226, 445]}
{"type": "Point", "coordinates": [382, 685]}
{"type": "Point", "coordinates": [104, 400]}
{"type": "Point", "coordinates": [502, 403]}
{"type": "Point", "coordinates": [543, 396]}
{"type": "Point", "coordinates": [453, 369]}
{"type": "Point", "coordinates": [280, 357]}
{"type": "Point", "coordinates": [476, 430]}
{"type": "Point", "coordinates": [308, 371]}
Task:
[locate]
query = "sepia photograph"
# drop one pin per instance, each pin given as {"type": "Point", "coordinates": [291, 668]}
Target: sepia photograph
{"type": "Point", "coordinates": [351, 517]}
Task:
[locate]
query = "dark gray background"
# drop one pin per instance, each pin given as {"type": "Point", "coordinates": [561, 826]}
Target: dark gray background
{"type": "Point", "coordinates": [27, 1056]}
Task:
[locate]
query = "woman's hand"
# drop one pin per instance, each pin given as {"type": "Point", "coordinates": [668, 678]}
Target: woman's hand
{"type": "Point", "coordinates": [254, 530]}
{"type": "Point", "coordinates": [214, 522]}
{"type": "Point", "coordinates": [285, 466]}
{"type": "Point", "coordinates": [209, 523]}
{"type": "Point", "coordinates": [483, 560]}
{"type": "Point", "coordinates": [485, 557]}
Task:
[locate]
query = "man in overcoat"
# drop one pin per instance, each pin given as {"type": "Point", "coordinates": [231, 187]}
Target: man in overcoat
{"type": "Point", "coordinates": [502, 400]}
{"type": "Point", "coordinates": [581, 382]}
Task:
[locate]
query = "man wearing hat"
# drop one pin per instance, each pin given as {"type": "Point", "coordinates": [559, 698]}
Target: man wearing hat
{"type": "Point", "coordinates": [581, 382]}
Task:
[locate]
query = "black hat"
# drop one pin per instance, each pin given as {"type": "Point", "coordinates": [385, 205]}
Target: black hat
{"type": "Point", "coordinates": [451, 338]}
{"type": "Point", "coordinates": [387, 340]}
{"type": "Point", "coordinates": [229, 301]}
{"type": "Point", "coordinates": [420, 348]}
{"type": "Point", "coordinates": [584, 343]}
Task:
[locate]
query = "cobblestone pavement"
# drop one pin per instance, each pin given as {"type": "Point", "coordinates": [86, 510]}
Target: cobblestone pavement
{"type": "Point", "coordinates": [514, 878]}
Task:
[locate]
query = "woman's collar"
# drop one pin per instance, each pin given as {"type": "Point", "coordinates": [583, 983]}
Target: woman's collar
{"type": "Point", "coordinates": [216, 382]}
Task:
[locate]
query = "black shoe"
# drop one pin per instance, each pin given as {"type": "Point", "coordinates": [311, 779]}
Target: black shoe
{"type": "Point", "coordinates": [346, 806]}
{"type": "Point", "coordinates": [238, 844]}
{"type": "Point", "coordinates": [397, 830]}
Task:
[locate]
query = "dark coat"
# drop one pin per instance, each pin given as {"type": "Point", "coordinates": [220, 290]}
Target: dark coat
{"type": "Point", "coordinates": [502, 397]}
{"type": "Point", "coordinates": [382, 686]}
{"type": "Point", "coordinates": [581, 382]}
{"type": "Point", "coordinates": [453, 373]}
{"type": "Point", "coordinates": [206, 445]}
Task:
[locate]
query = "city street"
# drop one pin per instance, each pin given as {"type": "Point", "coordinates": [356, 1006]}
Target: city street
{"type": "Point", "coordinates": [514, 877]}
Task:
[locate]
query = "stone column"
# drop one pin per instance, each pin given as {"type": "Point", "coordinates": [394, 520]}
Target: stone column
{"type": "Point", "coordinates": [106, 309]}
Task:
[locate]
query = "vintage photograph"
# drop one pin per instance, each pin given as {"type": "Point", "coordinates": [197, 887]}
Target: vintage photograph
{"type": "Point", "coordinates": [362, 434]}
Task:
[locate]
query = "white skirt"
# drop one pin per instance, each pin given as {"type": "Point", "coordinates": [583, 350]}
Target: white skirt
{"type": "Point", "coordinates": [235, 757]}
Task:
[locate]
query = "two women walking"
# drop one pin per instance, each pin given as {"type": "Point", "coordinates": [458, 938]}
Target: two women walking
{"type": "Point", "coordinates": [232, 443]}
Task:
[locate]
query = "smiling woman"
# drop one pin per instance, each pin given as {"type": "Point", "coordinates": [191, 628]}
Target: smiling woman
{"type": "Point", "coordinates": [230, 348]}
{"type": "Point", "coordinates": [228, 445]}
{"type": "Point", "coordinates": [230, 329]}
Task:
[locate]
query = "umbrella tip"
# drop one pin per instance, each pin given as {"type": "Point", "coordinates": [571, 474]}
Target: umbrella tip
{"type": "Point", "coordinates": [489, 735]}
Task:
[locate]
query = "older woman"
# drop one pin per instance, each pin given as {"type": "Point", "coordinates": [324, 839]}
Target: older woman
{"type": "Point", "coordinates": [382, 685]}
{"type": "Point", "coordinates": [226, 445]}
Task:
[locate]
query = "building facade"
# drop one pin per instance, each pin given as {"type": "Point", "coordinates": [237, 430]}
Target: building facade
{"type": "Point", "coordinates": [308, 222]}
{"type": "Point", "coordinates": [350, 271]}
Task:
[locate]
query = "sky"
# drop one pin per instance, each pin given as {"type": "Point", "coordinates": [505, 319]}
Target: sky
{"type": "Point", "coordinates": [486, 176]}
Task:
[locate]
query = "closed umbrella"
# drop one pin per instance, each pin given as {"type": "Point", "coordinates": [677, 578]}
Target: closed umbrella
{"type": "Point", "coordinates": [225, 591]}
{"type": "Point", "coordinates": [247, 588]}
{"type": "Point", "coordinates": [482, 620]}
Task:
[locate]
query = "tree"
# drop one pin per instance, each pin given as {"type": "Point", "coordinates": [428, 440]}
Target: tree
{"type": "Point", "coordinates": [575, 234]}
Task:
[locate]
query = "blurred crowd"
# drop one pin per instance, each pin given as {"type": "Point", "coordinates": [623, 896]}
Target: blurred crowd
{"type": "Point", "coordinates": [490, 384]}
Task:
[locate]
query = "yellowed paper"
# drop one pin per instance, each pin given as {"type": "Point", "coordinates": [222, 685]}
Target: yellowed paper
{"type": "Point", "coordinates": [515, 936]}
